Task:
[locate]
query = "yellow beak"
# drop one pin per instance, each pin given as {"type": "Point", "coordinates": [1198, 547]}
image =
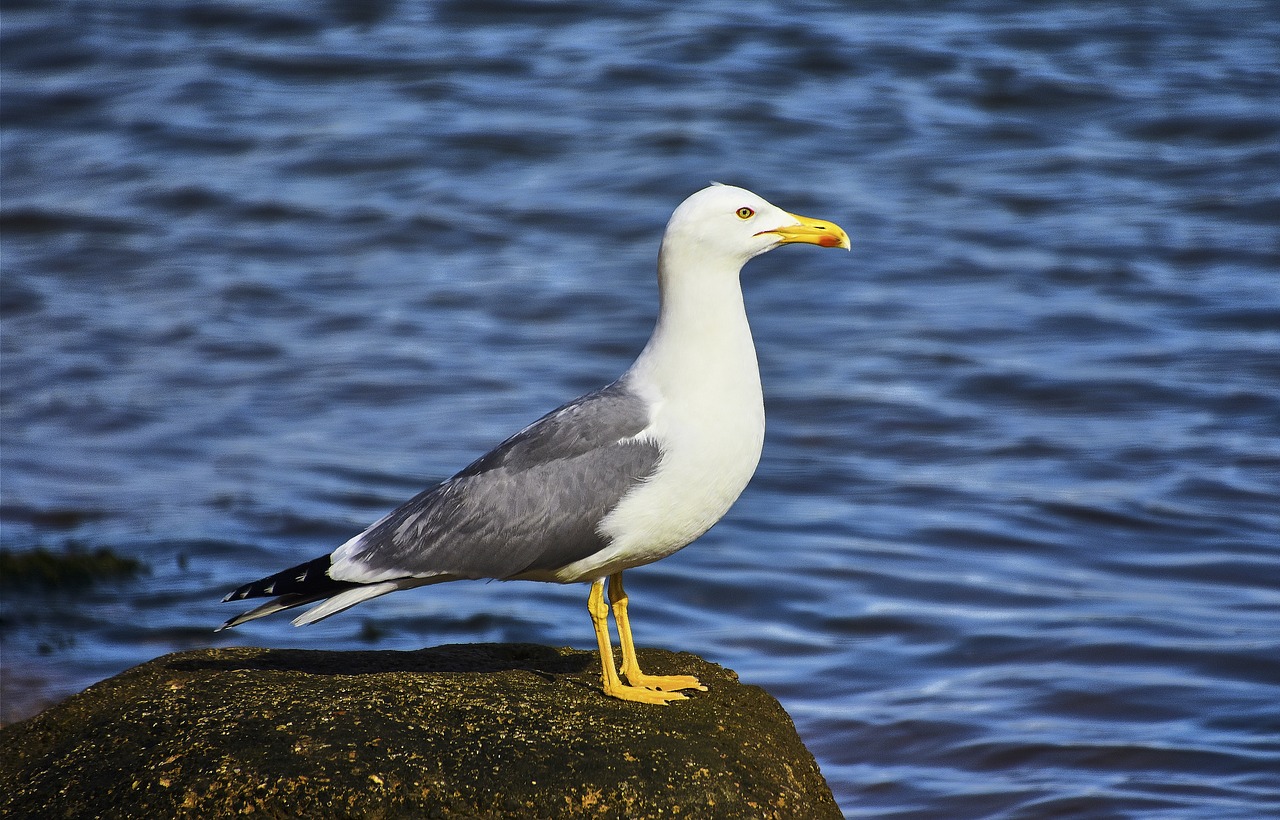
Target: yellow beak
{"type": "Point", "coordinates": [812, 232]}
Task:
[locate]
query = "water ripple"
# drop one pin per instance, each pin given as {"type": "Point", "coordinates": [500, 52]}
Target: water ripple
{"type": "Point", "coordinates": [1013, 547]}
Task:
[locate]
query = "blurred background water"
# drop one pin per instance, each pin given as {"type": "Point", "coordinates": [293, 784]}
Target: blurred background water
{"type": "Point", "coordinates": [1014, 545]}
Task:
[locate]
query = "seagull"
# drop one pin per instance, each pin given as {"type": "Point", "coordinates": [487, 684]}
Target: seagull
{"type": "Point", "coordinates": [615, 479]}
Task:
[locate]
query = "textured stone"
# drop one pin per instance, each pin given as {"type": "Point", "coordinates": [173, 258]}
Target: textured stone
{"type": "Point", "coordinates": [490, 730]}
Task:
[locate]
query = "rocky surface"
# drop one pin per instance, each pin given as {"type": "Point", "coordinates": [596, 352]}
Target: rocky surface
{"type": "Point", "coordinates": [492, 730]}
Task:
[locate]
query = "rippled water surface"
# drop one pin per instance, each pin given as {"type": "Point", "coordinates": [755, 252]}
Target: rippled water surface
{"type": "Point", "coordinates": [1014, 545]}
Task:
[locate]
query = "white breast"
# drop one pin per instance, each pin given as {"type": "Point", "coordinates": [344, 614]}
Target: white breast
{"type": "Point", "coordinates": [706, 466]}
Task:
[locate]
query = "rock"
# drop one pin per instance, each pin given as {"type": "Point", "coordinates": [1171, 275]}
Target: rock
{"type": "Point", "coordinates": [489, 730]}
{"type": "Point", "coordinates": [71, 568]}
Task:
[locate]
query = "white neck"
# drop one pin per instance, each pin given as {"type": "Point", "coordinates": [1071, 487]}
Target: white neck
{"type": "Point", "coordinates": [701, 346]}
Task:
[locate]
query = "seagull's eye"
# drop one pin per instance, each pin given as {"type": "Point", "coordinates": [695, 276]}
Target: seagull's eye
{"type": "Point", "coordinates": [745, 213]}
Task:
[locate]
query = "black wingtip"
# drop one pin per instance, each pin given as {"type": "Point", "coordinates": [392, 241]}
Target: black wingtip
{"type": "Point", "coordinates": [309, 580]}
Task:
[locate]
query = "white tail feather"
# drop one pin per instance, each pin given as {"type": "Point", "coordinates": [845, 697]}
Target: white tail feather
{"type": "Point", "coordinates": [347, 599]}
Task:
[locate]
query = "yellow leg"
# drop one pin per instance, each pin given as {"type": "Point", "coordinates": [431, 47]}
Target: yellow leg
{"type": "Point", "coordinates": [613, 685]}
{"type": "Point", "coordinates": [630, 666]}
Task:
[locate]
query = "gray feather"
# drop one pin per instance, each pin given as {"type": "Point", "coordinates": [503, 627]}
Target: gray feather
{"type": "Point", "coordinates": [532, 503]}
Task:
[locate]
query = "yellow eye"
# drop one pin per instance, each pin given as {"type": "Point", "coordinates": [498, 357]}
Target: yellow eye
{"type": "Point", "coordinates": [745, 213]}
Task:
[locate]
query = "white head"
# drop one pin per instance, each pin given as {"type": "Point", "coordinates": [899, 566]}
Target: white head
{"type": "Point", "coordinates": [732, 225]}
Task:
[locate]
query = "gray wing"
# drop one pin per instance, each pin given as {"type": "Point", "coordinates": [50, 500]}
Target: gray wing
{"type": "Point", "coordinates": [532, 503]}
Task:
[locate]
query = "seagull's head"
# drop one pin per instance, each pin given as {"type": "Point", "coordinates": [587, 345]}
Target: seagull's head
{"type": "Point", "coordinates": [734, 224]}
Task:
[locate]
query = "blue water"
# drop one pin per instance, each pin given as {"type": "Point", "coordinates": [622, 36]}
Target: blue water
{"type": "Point", "coordinates": [1013, 549]}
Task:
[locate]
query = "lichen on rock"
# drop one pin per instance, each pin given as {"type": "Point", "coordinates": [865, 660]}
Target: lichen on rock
{"type": "Point", "coordinates": [488, 730]}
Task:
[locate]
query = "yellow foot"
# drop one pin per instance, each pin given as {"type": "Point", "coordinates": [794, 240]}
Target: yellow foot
{"type": "Point", "coordinates": [665, 683]}
{"type": "Point", "coordinates": [641, 695]}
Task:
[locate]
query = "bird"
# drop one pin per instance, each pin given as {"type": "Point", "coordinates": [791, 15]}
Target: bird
{"type": "Point", "coordinates": [615, 479]}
